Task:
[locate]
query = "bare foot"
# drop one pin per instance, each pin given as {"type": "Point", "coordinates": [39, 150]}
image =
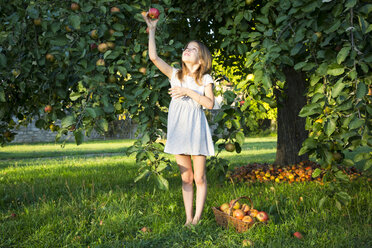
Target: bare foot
{"type": "Point", "coordinates": [188, 223]}
{"type": "Point", "coordinates": [195, 221]}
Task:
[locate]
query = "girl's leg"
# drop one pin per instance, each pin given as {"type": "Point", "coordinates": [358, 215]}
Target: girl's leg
{"type": "Point", "coordinates": [201, 185]}
{"type": "Point", "coordinates": [184, 164]}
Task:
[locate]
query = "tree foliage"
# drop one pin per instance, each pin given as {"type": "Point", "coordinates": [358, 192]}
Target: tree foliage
{"type": "Point", "coordinates": [49, 56]}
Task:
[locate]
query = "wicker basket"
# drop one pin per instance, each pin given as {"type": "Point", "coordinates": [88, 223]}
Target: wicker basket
{"type": "Point", "coordinates": [225, 220]}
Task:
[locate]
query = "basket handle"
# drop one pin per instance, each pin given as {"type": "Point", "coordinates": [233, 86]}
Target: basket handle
{"type": "Point", "coordinates": [237, 199]}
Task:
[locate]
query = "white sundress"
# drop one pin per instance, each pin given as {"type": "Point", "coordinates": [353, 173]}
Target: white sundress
{"type": "Point", "coordinates": [188, 130]}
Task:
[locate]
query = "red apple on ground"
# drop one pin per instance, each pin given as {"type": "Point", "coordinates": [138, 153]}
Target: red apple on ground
{"type": "Point", "coordinates": [154, 13]}
{"type": "Point", "coordinates": [262, 216]}
{"type": "Point", "coordinates": [298, 235]}
{"type": "Point", "coordinates": [247, 243]}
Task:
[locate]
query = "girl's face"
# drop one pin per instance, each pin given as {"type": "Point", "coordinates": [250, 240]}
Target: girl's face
{"type": "Point", "coordinates": [191, 53]}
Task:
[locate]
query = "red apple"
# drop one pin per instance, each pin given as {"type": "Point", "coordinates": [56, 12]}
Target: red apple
{"type": "Point", "coordinates": [298, 235]}
{"type": "Point", "coordinates": [262, 216]}
{"type": "Point", "coordinates": [248, 219]}
{"type": "Point", "coordinates": [224, 206]}
{"type": "Point", "coordinates": [239, 214]}
{"type": "Point", "coordinates": [154, 13]}
{"type": "Point", "coordinates": [253, 212]}
{"type": "Point", "coordinates": [75, 6]}
{"type": "Point", "coordinates": [115, 10]}
{"type": "Point", "coordinates": [93, 46]}
{"type": "Point", "coordinates": [48, 109]}
{"type": "Point", "coordinates": [247, 243]}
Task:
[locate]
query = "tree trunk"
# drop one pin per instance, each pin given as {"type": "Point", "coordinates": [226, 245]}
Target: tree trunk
{"type": "Point", "coordinates": [291, 127]}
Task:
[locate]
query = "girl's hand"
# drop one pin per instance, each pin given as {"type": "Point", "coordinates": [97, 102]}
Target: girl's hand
{"type": "Point", "coordinates": [177, 92]}
{"type": "Point", "coordinates": [150, 23]}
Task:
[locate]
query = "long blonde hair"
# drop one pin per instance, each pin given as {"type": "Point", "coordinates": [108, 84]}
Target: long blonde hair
{"type": "Point", "coordinates": [205, 65]}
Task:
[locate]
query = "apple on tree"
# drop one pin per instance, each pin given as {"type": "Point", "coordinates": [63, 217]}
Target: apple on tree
{"type": "Point", "coordinates": [48, 109]}
{"type": "Point", "coordinates": [75, 6]}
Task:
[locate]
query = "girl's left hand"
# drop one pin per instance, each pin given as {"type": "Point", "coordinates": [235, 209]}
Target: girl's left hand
{"type": "Point", "coordinates": [177, 92]}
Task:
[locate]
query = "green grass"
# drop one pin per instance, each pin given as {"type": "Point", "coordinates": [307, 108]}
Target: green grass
{"type": "Point", "coordinates": [81, 201]}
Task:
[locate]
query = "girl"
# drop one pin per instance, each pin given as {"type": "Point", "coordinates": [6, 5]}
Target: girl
{"type": "Point", "coordinates": [188, 137]}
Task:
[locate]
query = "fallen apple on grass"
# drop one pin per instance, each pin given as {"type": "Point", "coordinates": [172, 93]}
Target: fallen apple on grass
{"type": "Point", "coordinates": [262, 216]}
{"type": "Point", "coordinates": [298, 235]}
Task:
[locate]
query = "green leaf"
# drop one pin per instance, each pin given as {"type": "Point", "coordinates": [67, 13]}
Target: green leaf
{"type": "Point", "coordinates": [322, 201]}
{"type": "Point", "coordinates": [310, 109]}
{"type": "Point", "coordinates": [338, 205]}
{"type": "Point", "coordinates": [298, 66]}
{"type": "Point", "coordinates": [361, 90]}
{"type": "Point", "coordinates": [161, 166]}
{"type": "Point", "coordinates": [339, 86]}
{"type": "Point", "coordinates": [330, 127]}
{"type": "Point", "coordinates": [74, 21]}
{"type": "Point", "coordinates": [356, 123]}
{"type": "Point", "coordinates": [67, 121]}
{"type": "Point", "coordinates": [341, 56]}
{"type": "Point", "coordinates": [316, 172]}
{"type": "Point", "coordinates": [344, 197]}
{"type": "Point", "coordinates": [162, 182]}
{"type": "Point", "coordinates": [102, 124]}
{"type": "Point", "coordinates": [145, 173]}
{"type": "Point", "coordinates": [2, 95]}
{"type": "Point", "coordinates": [335, 70]}
{"type": "Point", "coordinates": [3, 60]}
{"type": "Point", "coordinates": [240, 138]}
{"type": "Point", "coordinates": [145, 138]}
{"type": "Point", "coordinates": [74, 96]}
{"type": "Point", "coordinates": [367, 165]}
{"type": "Point", "coordinates": [123, 71]}
{"type": "Point", "coordinates": [91, 112]}
{"type": "Point", "coordinates": [79, 137]}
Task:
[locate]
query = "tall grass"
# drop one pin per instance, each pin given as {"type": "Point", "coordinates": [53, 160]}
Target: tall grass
{"type": "Point", "coordinates": [93, 201]}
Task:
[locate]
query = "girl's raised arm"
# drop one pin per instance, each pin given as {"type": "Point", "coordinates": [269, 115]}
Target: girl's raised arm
{"type": "Point", "coordinates": [159, 63]}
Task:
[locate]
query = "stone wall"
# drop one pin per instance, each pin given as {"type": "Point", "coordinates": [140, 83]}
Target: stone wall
{"type": "Point", "coordinates": [117, 130]}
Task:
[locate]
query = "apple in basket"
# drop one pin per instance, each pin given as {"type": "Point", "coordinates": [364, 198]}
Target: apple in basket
{"type": "Point", "coordinates": [245, 208]}
{"type": "Point", "coordinates": [236, 205]}
{"type": "Point", "coordinates": [248, 219]}
{"type": "Point", "coordinates": [239, 214]}
{"type": "Point", "coordinates": [224, 206]}
{"type": "Point", "coordinates": [253, 213]}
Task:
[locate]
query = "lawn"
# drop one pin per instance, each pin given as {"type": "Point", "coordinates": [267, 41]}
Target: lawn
{"type": "Point", "coordinates": [84, 196]}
